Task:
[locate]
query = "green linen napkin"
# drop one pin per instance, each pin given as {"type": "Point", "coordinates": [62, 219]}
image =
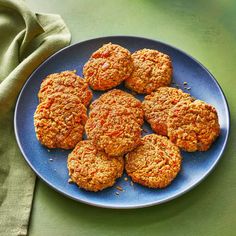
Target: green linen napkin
{"type": "Point", "coordinates": [26, 40]}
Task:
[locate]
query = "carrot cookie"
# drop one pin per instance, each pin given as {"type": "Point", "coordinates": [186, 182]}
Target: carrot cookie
{"type": "Point", "coordinates": [91, 169]}
{"type": "Point", "coordinates": [113, 131]}
{"type": "Point", "coordinates": [155, 163]}
{"type": "Point", "coordinates": [59, 121]}
{"type": "Point", "coordinates": [108, 67]}
{"type": "Point", "coordinates": [193, 126]}
{"type": "Point", "coordinates": [152, 69]}
{"type": "Point", "coordinates": [118, 97]}
{"type": "Point", "coordinates": [66, 82]}
{"type": "Point", "coordinates": [156, 107]}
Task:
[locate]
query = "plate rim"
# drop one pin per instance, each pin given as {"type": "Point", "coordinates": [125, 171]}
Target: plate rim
{"type": "Point", "coordinates": [111, 206]}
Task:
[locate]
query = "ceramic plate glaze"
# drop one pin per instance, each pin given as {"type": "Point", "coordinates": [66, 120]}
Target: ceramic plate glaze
{"type": "Point", "coordinates": [50, 165]}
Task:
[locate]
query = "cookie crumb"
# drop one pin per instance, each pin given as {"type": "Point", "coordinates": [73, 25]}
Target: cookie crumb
{"type": "Point", "coordinates": [48, 150]}
{"type": "Point", "coordinates": [119, 188]}
{"type": "Point", "coordinates": [126, 179]}
{"type": "Point", "coordinates": [185, 83]}
{"type": "Point", "coordinates": [131, 183]}
{"type": "Point", "coordinates": [117, 193]}
{"type": "Point", "coordinates": [50, 159]}
{"type": "Point", "coordinates": [70, 181]}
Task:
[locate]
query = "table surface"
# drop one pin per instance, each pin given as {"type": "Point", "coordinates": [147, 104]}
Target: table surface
{"type": "Point", "coordinates": [207, 31]}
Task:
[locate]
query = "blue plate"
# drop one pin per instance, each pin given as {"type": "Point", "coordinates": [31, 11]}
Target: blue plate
{"type": "Point", "coordinates": [50, 165]}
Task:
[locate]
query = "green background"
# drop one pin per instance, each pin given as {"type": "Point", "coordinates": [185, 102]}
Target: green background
{"type": "Point", "coordinates": [207, 31]}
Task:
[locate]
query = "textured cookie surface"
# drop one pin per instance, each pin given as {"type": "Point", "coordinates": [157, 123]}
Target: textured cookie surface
{"type": "Point", "coordinates": [108, 67]}
{"type": "Point", "coordinates": [155, 163]}
{"type": "Point", "coordinates": [118, 97]}
{"type": "Point", "coordinates": [152, 69]}
{"type": "Point", "coordinates": [66, 82]}
{"type": "Point", "coordinates": [59, 121]}
{"type": "Point", "coordinates": [193, 126]}
{"type": "Point", "coordinates": [91, 169]}
{"type": "Point", "coordinates": [157, 105]}
{"type": "Point", "coordinates": [114, 130]}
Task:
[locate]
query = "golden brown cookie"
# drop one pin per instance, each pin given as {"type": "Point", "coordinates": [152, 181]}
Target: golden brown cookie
{"type": "Point", "coordinates": [59, 121]}
{"type": "Point", "coordinates": [66, 82]}
{"type": "Point", "coordinates": [91, 169]}
{"type": "Point", "coordinates": [118, 97]}
{"type": "Point", "coordinates": [114, 131]}
{"type": "Point", "coordinates": [193, 126]}
{"type": "Point", "coordinates": [155, 163]}
{"type": "Point", "coordinates": [108, 67]}
{"type": "Point", "coordinates": [152, 69]}
{"type": "Point", "coordinates": [156, 107]}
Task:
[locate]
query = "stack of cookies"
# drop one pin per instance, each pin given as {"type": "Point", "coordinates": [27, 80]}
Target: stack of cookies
{"type": "Point", "coordinates": [114, 125]}
{"type": "Point", "coordinates": [190, 124]}
{"type": "Point", "coordinates": [61, 115]}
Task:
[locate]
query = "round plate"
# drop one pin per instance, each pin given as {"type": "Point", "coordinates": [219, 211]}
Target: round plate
{"type": "Point", "coordinates": [50, 165]}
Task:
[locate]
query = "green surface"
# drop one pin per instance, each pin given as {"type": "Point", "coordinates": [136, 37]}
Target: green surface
{"type": "Point", "coordinates": [205, 30]}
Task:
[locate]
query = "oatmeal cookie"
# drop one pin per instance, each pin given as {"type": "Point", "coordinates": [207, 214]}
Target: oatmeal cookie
{"type": "Point", "coordinates": [108, 67]}
{"type": "Point", "coordinates": [155, 163]}
{"type": "Point", "coordinates": [59, 121]}
{"type": "Point", "coordinates": [152, 69]}
{"type": "Point", "coordinates": [118, 97]}
{"type": "Point", "coordinates": [193, 126]}
{"type": "Point", "coordinates": [66, 82]}
{"type": "Point", "coordinates": [113, 131]}
{"type": "Point", "coordinates": [156, 107]}
{"type": "Point", "coordinates": [91, 169]}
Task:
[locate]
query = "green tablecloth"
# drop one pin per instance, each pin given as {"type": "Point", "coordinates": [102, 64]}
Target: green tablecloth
{"type": "Point", "coordinates": [207, 31]}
